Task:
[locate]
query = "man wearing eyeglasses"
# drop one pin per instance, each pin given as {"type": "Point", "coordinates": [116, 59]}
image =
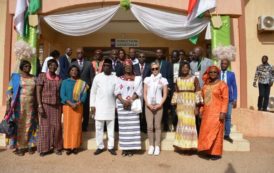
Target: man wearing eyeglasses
{"type": "Point", "coordinates": [87, 74]}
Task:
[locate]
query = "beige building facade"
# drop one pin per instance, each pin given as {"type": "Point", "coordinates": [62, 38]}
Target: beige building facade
{"type": "Point", "coordinates": [244, 13]}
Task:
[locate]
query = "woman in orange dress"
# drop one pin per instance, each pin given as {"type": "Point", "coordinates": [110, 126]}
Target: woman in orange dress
{"type": "Point", "coordinates": [73, 94]}
{"type": "Point", "coordinates": [213, 111]}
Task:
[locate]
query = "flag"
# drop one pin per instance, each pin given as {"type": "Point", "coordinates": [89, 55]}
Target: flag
{"type": "Point", "coordinates": [21, 7]}
{"type": "Point", "coordinates": [194, 39]}
{"type": "Point", "coordinates": [33, 8]}
{"type": "Point", "coordinates": [201, 7]}
{"type": "Point", "coordinates": [191, 5]}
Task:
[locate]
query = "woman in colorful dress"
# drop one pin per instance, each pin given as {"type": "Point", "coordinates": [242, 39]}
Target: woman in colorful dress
{"type": "Point", "coordinates": [155, 94]}
{"type": "Point", "coordinates": [49, 110]}
{"type": "Point", "coordinates": [186, 98]}
{"type": "Point", "coordinates": [21, 93]}
{"type": "Point", "coordinates": [127, 89]}
{"type": "Point", "coordinates": [73, 95]}
{"type": "Point", "coordinates": [213, 111]}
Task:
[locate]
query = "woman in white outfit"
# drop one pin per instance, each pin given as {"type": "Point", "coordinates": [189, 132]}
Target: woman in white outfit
{"type": "Point", "coordinates": [155, 94]}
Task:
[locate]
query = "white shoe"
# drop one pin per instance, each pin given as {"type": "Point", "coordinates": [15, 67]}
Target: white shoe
{"type": "Point", "coordinates": [151, 150]}
{"type": "Point", "coordinates": [157, 151]}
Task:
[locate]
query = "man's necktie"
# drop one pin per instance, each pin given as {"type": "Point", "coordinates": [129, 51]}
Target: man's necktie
{"type": "Point", "coordinates": [223, 76]}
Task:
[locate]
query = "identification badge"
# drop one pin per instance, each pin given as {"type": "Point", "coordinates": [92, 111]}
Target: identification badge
{"type": "Point", "coordinates": [197, 74]}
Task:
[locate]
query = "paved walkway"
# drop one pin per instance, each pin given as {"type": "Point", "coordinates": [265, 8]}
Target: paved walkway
{"type": "Point", "coordinates": [259, 160]}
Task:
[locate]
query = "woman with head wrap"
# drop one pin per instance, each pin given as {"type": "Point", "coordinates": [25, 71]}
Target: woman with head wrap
{"type": "Point", "coordinates": [127, 89]}
{"type": "Point", "coordinates": [213, 111]}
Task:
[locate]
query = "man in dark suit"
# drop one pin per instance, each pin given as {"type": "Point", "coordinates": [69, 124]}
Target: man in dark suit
{"type": "Point", "coordinates": [166, 71]}
{"type": "Point", "coordinates": [229, 78]}
{"type": "Point", "coordinates": [142, 69]}
{"type": "Point", "coordinates": [87, 74]}
{"type": "Point", "coordinates": [65, 62]}
{"type": "Point", "coordinates": [176, 59]}
{"type": "Point", "coordinates": [117, 64]}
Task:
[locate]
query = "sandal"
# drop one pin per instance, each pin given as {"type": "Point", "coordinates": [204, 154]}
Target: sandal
{"type": "Point", "coordinates": [129, 154]}
{"type": "Point", "coordinates": [69, 152]}
{"type": "Point", "coordinates": [43, 154]}
{"type": "Point", "coordinates": [58, 152]}
{"type": "Point", "coordinates": [20, 152]}
{"type": "Point", "coordinates": [124, 153]}
{"type": "Point", "coordinates": [31, 151]}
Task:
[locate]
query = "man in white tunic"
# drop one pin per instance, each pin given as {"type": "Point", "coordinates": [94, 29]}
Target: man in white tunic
{"type": "Point", "coordinates": [102, 103]}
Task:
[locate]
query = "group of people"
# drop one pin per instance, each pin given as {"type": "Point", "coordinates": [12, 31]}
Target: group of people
{"type": "Point", "coordinates": [199, 95]}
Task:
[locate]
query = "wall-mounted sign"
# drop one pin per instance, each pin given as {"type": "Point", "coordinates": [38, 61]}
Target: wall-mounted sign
{"type": "Point", "coordinates": [124, 43]}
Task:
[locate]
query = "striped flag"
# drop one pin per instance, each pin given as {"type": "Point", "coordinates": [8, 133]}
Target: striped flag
{"type": "Point", "coordinates": [199, 8]}
{"type": "Point", "coordinates": [19, 17]}
{"type": "Point", "coordinates": [191, 5]}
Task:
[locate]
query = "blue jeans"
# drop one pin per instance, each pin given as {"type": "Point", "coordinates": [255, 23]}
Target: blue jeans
{"type": "Point", "coordinates": [228, 119]}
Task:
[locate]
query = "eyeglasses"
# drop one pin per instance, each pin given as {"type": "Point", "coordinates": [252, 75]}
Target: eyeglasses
{"type": "Point", "coordinates": [154, 69]}
{"type": "Point", "coordinates": [215, 72]}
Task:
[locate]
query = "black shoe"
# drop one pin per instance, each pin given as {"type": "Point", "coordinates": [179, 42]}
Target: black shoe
{"type": "Point", "coordinates": [227, 138]}
{"type": "Point", "coordinates": [112, 152]}
{"type": "Point", "coordinates": [43, 154]}
{"type": "Point", "coordinates": [166, 129]}
{"type": "Point", "coordinates": [124, 153]}
{"type": "Point", "coordinates": [20, 152]}
{"type": "Point", "coordinates": [58, 152]}
{"type": "Point", "coordinates": [98, 151]}
{"type": "Point", "coordinates": [214, 157]}
{"type": "Point", "coordinates": [69, 152]}
{"type": "Point", "coordinates": [31, 151]}
{"type": "Point", "coordinates": [75, 151]}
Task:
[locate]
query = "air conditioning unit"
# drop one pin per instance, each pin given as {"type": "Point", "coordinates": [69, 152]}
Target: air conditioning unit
{"type": "Point", "coordinates": [266, 23]}
{"type": "Point", "coordinates": [271, 104]}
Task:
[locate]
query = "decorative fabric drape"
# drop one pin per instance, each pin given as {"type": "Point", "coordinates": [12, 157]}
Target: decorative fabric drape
{"type": "Point", "coordinates": [168, 25]}
{"type": "Point", "coordinates": [82, 23]}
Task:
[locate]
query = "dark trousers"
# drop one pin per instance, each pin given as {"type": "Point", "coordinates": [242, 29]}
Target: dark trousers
{"type": "Point", "coordinates": [166, 107]}
{"type": "Point", "coordinates": [143, 121]}
{"type": "Point", "coordinates": [174, 116]}
{"type": "Point", "coordinates": [264, 91]}
{"type": "Point", "coordinates": [198, 124]}
{"type": "Point", "coordinates": [86, 113]}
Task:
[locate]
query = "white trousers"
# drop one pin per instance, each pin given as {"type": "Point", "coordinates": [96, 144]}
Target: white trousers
{"type": "Point", "coordinates": [99, 125]}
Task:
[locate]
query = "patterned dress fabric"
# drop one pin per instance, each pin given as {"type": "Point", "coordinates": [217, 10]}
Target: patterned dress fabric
{"type": "Point", "coordinates": [129, 122]}
{"type": "Point", "coordinates": [26, 122]}
{"type": "Point", "coordinates": [50, 128]}
{"type": "Point", "coordinates": [188, 94]}
{"type": "Point", "coordinates": [212, 128]}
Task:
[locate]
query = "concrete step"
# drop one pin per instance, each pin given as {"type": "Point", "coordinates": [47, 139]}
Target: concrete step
{"type": "Point", "coordinates": [239, 144]}
{"type": "Point", "coordinates": [89, 141]}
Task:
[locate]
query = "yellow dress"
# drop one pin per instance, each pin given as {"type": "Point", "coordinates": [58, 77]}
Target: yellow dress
{"type": "Point", "coordinates": [187, 95]}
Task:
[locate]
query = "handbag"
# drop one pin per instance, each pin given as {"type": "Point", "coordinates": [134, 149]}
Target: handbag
{"type": "Point", "coordinates": [8, 127]}
{"type": "Point", "coordinates": [136, 106]}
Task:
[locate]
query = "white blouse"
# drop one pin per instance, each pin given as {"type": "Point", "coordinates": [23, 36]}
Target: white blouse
{"type": "Point", "coordinates": [155, 85]}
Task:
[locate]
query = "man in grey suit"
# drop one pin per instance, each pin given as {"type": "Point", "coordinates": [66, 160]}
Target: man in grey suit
{"type": "Point", "coordinates": [199, 64]}
{"type": "Point", "coordinates": [87, 74]}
